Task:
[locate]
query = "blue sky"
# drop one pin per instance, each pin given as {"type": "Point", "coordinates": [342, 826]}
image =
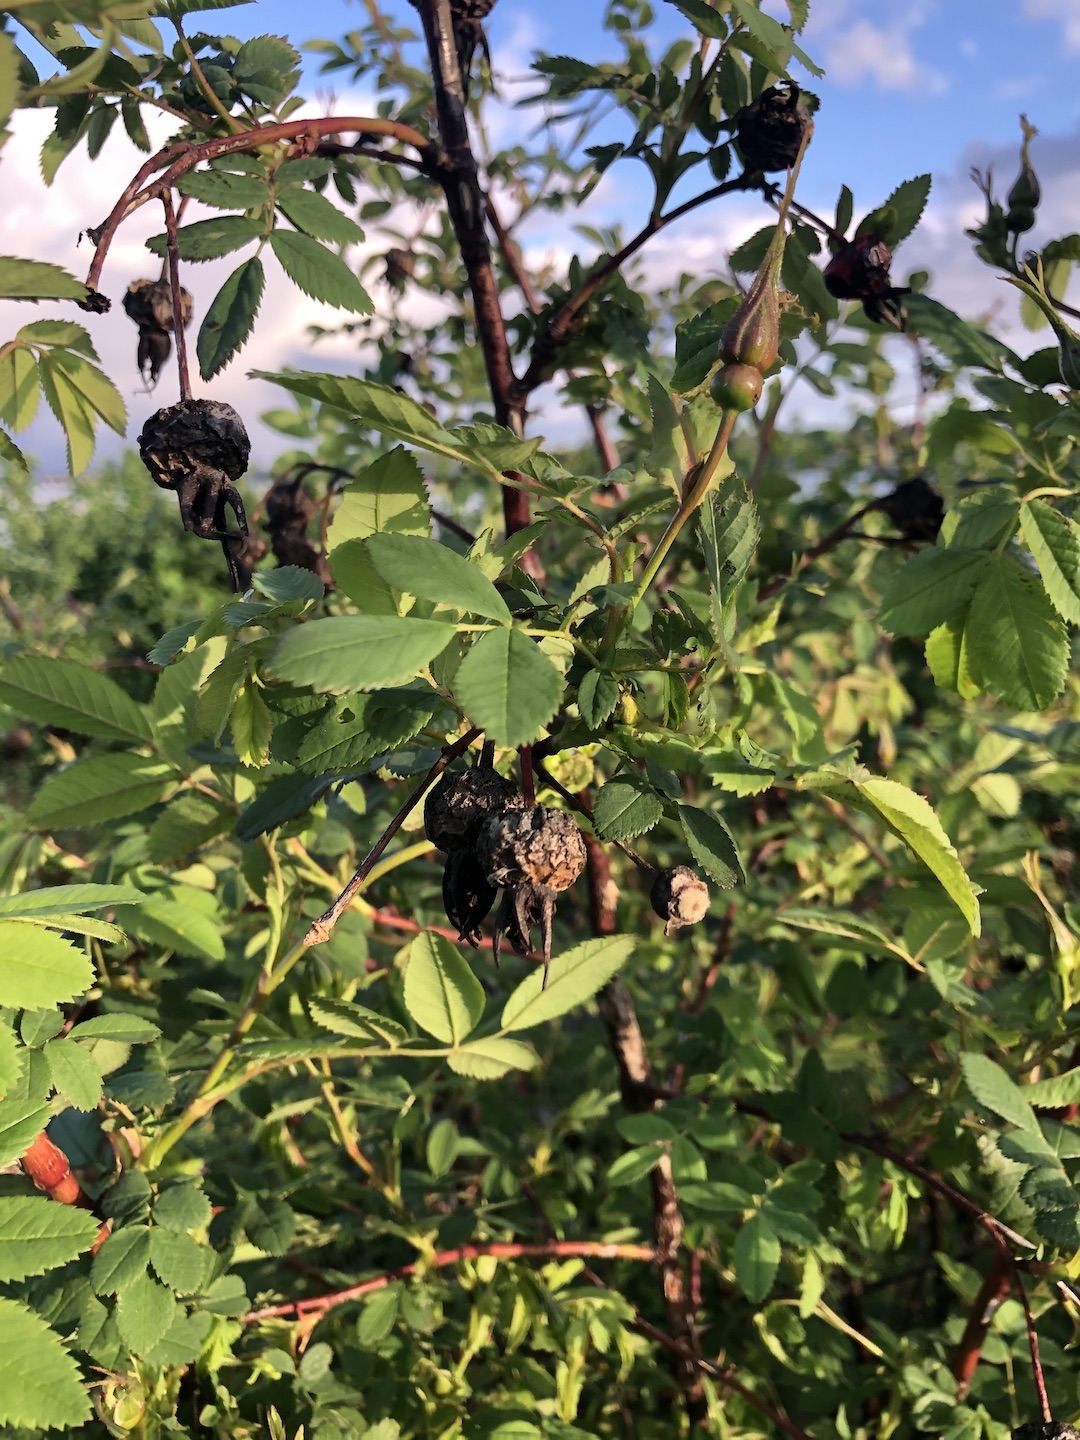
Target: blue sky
{"type": "Point", "coordinates": [929, 85]}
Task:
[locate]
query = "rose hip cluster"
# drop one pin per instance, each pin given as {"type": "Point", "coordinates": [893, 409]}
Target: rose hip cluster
{"type": "Point", "coordinates": [495, 841]}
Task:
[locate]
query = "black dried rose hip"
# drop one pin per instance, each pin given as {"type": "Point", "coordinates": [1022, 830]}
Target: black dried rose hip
{"type": "Point", "coordinates": [769, 131]}
{"type": "Point", "coordinates": [915, 508]}
{"type": "Point", "coordinates": [149, 304]}
{"type": "Point", "coordinates": [679, 897]}
{"type": "Point", "coordinates": [860, 271]}
{"type": "Point", "coordinates": [458, 806]}
{"type": "Point", "coordinates": [1046, 1430]}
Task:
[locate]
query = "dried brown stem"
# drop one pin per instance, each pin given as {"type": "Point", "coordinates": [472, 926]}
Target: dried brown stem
{"type": "Point", "coordinates": [322, 928]}
{"type": "Point", "coordinates": [830, 542]}
{"type": "Point", "coordinates": [551, 1249]}
{"type": "Point", "coordinates": [172, 257]}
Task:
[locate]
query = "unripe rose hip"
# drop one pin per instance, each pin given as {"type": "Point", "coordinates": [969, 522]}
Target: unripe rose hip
{"type": "Point", "coordinates": [737, 387]}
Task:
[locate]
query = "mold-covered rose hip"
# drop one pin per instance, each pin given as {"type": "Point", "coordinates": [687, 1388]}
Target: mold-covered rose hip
{"type": "Point", "coordinates": [679, 897]}
{"type": "Point", "coordinates": [532, 855]}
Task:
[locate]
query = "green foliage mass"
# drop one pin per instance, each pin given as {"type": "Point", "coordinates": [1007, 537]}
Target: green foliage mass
{"type": "Point", "coordinates": [804, 1165]}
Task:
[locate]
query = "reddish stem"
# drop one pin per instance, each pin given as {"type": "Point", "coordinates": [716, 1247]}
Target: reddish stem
{"type": "Point", "coordinates": [991, 1294]}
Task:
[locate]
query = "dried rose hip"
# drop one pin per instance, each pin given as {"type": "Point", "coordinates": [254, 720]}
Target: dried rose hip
{"type": "Point", "coordinates": [860, 271]}
{"type": "Point", "coordinates": [198, 448]}
{"type": "Point", "coordinates": [400, 266]}
{"type": "Point", "coordinates": [769, 131]}
{"type": "Point", "coordinates": [1046, 1430]}
{"type": "Point", "coordinates": [915, 508]}
{"type": "Point", "coordinates": [679, 897]}
{"type": "Point", "coordinates": [149, 304]}
{"type": "Point", "coordinates": [455, 811]}
{"type": "Point", "coordinates": [532, 855]}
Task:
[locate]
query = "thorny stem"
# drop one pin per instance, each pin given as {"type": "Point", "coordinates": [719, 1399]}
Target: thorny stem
{"type": "Point", "coordinates": [552, 1249]}
{"type": "Point", "coordinates": [172, 254]}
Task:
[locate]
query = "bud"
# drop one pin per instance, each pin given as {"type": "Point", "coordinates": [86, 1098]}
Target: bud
{"type": "Point", "coordinates": [1024, 197]}
{"type": "Point", "coordinates": [752, 335]}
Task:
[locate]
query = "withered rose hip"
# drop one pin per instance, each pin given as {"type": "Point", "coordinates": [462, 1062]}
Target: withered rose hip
{"type": "Point", "coordinates": [769, 131]}
{"type": "Point", "coordinates": [192, 433]}
{"type": "Point", "coordinates": [532, 855]}
{"type": "Point", "coordinates": [1046, 1430]}
{"type": "Point", "coordinates": [458, 806]}
{"type": "Point", "coordinates": [149, 304]}
{"type": "Point", "coordinates": [679, 897]}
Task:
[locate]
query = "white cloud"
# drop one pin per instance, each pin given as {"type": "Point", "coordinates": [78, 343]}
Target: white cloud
{"type": "Point", "coordinates": [1065, 11]}
{"type": "Point", "coordinates": [883, 55]}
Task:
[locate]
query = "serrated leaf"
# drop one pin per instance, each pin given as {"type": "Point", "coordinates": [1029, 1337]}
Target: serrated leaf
{"type": "Point", "coordinates": [913, 819]}
{"type": "Point", "coordinates": [39, 968]}
{"type": "Point", "coordinates": [1055, 543]}
{"type": "Point", "coordinates": [62, 693]}
{"type": "Point", "coordinates": [634, 1165]}
{"type": "Point", "coordinates": [12, 1059]}
{"type": "Point", "coordinates": [180, 1261]}
{"type": "Point", "coordinates": [251, 726]}
{"type": "Point", "coordinates": [316, 216]}
{"type": "Point", "coordinates": [230, 318]}
{"type": "Point", "coordinates": [210, 239]}
{"type": "Point", "coordinates": [508, 686]}
{"type": "Point", "coordinates": [598, 694]}
{"type": "Point", "coordinates": [358, 652]}
{"type": "Point", "coordinates": [20, 388]}
{"type": "Point", "coordinates": [441, 993]}
{"type": "Point", "coordinates": [22, 279]}
{"type": "Point", "coordinates": [377, 1317]}
{"type": "Point", "coordinates": [1017, 643]}
{"type": "Point", "coordinates": [318, 272]}
{"type": "Point", "coordinates": [269, 1223]}
{"type": "Point", "coordinates": [712, 846]}
{"type": "Point", "coordinates": [38, 1235]}
{"type": "Point", "coordinates": [182, 1206]}
{"type": "Point", "coordinates": [756, 1257]}
{"type": "Point", "coordinates": [388, 496]}
{"type": "Point", "coordinates": [492, 1057]}
{"type": "Point", "coordinates": [173, 925]}
{"type": "Point", "coordinates": [907, 203]}
{"type": "Point", "coordinates": [105, 787]}
{"type": "Point", "coordinates": [626, 807]}
{"type": "Point", "coordinates": [430, 571]}
{"type": "Point", "coordinates": [40, 1385]}
{"type": "Point", "coordinates": [74, 1074]}
{"type": "Point", "coordinates": [669, 457]}
{"type": "Point", "coordinates": [121, 1260]}
{"type": "Point", "coordinates": [224, 190]}
{"type": "Point", "coordinates": [573, 977]}
{"type": "Point", "coordinates": [995, 1090]}
{"type": "Point", "coordinates": [93, 385]}
{"type": "Point", "coordinates": [729, 528]}
{"type": "Point", "coordinates": [185, 826]}
{"type": "Point", "coordinates": [130, 1029]}
{"type": "Point", "coordinates": [21, 1121]}
{"type": "Point", "coordinates": [144, 1311]}
{"type": "Point", "coordinates": [346, 1018]}
{"type": "Point", "coordinates": [930, 589]}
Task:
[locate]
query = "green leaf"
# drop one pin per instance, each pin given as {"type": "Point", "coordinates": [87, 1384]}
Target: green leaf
{"type": "Point", "coordinates": [176, 926]}
{"type": "Point", "coordinates": [105, 787]}
{"type": "Point", "coordinates": [573, 977]}
{"type": "Point", "coordinates": [40, 1386]}
{"type": "Point", "coordinates": [182, 1206]}
{"type": "Point", "coordinates": [35, 280]}
{"type": "Point", "coordinates": [913, 819]}
{"type": "Point", "coordinates": [1056, 1092]}
{"type": "Point", "coordinates": [181, 1262]}
{"type": "Point", "coordinates": [210, 239]}
{"type": "Point", "coordinates": [377, 1317]}
{"type": "Point", "coordinates": [94, 386]}
{"type": "Point", "coordinates": [130, 1029]}
{"type": "Point", "coordinates": [492, 1057]}
{"type": "Point", "coordinates": [756, 1258]}
{"type": "Point", "coordinates": [1054, 542]}
{"type": "Point", "coordinates": [508, 686]}
{"type": "Point", "coordinates": [634, 1165]}
{"type": "Point", "coordinates": [20, 388]}
{"type": "Point", "coordinates": [947, 655]}
{"type": "Point", "coordinates": [53, 900]}
{"type": "Point", "coordinates": [10, 454]}
{"type": "Point", "coordinates": [318, 272]}
{"type": "Point", "coordinates": [441, 1151]}
{"type": "Point", "coordinates": [75, 416]}
{"type": "Point", "coordinates": [62, 693]}
{"type": "Point", "coordinates": [316, 216]}
{"type": "Point", "coordinates": [12, 1059]}
{"type": "Point", "coordinates": [598, 694]}
{"type": "Point", "coordinates": [73, 1072]}
{"type": "Point", "coordinates": [729, 528]}
{"type": "Point", "coordinates": [230, 318]}
{"type": "Point", "coordinates": [121, 1260]}
{"type": "Point", "coordinates": [38, 1235]}
{"type": "Point", "coordinates": [358, 729]}
{"type": "Point", "coordinates": [441, 993]}
{"type": "Point", "coordinates": [670, 456]}
{"type": "Point", "coordinates": [251, 726]}
{"type": "Point", "coordinates": [906, 204]}
{"type": "Point", "coordinates": [626, 807]}
{"type": "Point", "coordinates": [358, 652]}
{"type": "Point", "coordinates": [712, 846]}
{"type": "Point", "coordinates": [388, 495]}
{"type": "Point", "coordinates": [144, 1312]}
{"type": "Point", "coordinates": [1018, 644]}
{"type": "Point", "coordinates": [774, 36]}
{"type": "Point", "coordinates": [993, 1089]}
{"type": "Point", "coordinates": [187, 824]}
{"type": "Point", "coordinates": [930, 589]}
{"type": "Point", "coordinates": [224, 190]}
{"type": "Point", "coordinates": [39, 968]}
{"type": "Point", "coordinates": [346, 1018]}
{"type": "Point", "coordinates": [21, 1121]}
{"type": "Point", "coordinates": [269, 1223]}
{"type": "Point", "coordinates": [430, 571]}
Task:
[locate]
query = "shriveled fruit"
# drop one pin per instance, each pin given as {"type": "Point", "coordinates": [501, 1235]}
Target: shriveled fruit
{"type": "Point", "coordinates": [149, 304]}
{"type": "Point", "coordinates": [915, 508]}
{"type": "Point", "coordinates": [532, 855]}
{"type": "Point", "coordinates": [769, 131]}
{"type": "Point", "coordinates": [679, 897]}
{"type": "Point", "coordinates": [1046, 1430]}
{"type": "Point", "coordinates": [457, 807]}
{"type": "Point", "coordinates": [860, 271]}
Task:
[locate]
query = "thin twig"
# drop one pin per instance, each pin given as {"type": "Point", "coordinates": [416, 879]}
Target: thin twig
{"type": "Point", "coordinates": [172, 254]}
